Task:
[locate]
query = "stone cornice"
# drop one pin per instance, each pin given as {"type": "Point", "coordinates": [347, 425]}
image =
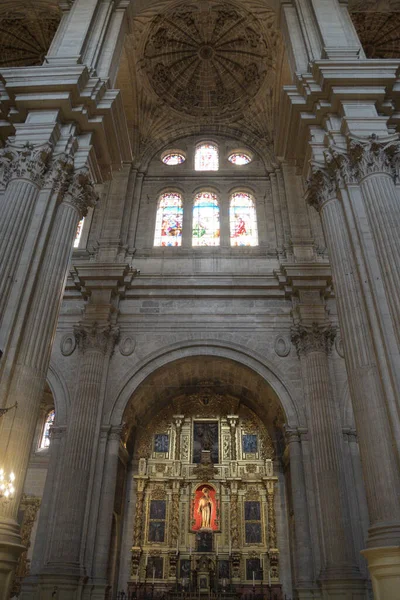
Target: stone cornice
{"type": "Point", "coordinates": [80, 98]}
{"type": "Point", "coordinates": [305, 276]}
{"type": "Point", "coordinates": [116, 278]}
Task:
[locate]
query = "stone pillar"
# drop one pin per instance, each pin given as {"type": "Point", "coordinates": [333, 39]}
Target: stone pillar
{"type": "Point", "coordinates": [303, 546]}
{"type": "Point", "coordinates": [380, 469]}
{"type": "Point", "coordinates": [95, 344]}
{"type": "Point", "coordinates": [24, 169]}
{"type": "Point", "coordinates": [30, 370]}
{"type": "Point", "coordinates": [339, 572]}
{"type": "Point", "coordinates": [375, 167]}
{"type": "Point", "coordinates": [104, 525]}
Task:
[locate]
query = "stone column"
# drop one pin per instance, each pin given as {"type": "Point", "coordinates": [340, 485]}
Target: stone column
{"type": "Point", "coordinates": [31, 365]}
{"type": "Point", "coordinates": [339, 571]}
{"type": "Point", "coordinates": [374, 162]}
{"type": "Point", "coordinates": [104, 525]}
{"type": "Point", "coordinates": [24, 169]}
{"type": "Point", "coordinates": [380, 469]}
{"type": "Point", "coordinates": [303, 546]}
{"type": "Point", "coordinates": [95, 344]}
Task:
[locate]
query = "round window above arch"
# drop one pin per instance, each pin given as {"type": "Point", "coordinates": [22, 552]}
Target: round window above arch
{"type": "Point", "coordinates": [173, 157]}
{"type": "Point", "coordinates": [240, 157]}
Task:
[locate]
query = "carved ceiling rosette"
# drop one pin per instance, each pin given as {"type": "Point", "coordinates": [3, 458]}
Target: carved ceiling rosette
{"type": "Point", "coordinates": [206, 62]}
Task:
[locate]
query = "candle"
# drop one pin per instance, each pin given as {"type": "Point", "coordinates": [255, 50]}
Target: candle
{"type": "Point", "coordinates": [253, 579]}
{"type": "Point", "coordinates": [269, 578]}
{"type": "Point", "coordinates": [216, 547]}
{"type": "Point", "coordinates": [177, 547]}
{"type": "Point", "coordinates": [154, 574]}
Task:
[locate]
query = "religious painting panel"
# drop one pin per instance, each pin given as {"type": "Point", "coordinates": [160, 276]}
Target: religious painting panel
{"type": "Point", "coordinates": [156, 531]}
{"type": "Point", "coordinates": [205, 437]}
{"type": "Point", "coordinates": [223, 569]}
{"type": "Point", "coordinates": [249, 443]}
{"type": "Point", "coordinates": [204, 509]}
{"type": "Point", "coordinates": [161, 442]}
{"type": "Point", "coordinates": [158, 509]}
{"type": "Point", "coordinates": [206, 227]}
{"type": "Point", "coordinates": [169, 220]}
{"type": "Point", "coordinates": [253, 569]}
{"type": "Point", "coordinates": [252, 511]}
{"type": "Point", "coordinates": [184, 568]}
{"type": "Point", "coordinates": [154, 567]}
{"type": "Point", "coordinates": [253, 533]}
{"type": "Point", "coordinates": [204, 541]}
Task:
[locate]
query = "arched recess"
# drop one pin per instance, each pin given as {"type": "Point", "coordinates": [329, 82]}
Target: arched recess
{"type": "Point", "coordinates": [242, 358]}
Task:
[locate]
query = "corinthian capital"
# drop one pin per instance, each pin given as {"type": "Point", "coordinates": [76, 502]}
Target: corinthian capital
{"type": "Point", "coordinates": [321, 186]}
{"type": "Point", "coordinates": [101, 338]}
{"type": "Point", "coordinates": [25, 162]}
{"type": "Point", "coordinates": [60, 172]}
{"type": "Point", "coordinates": [373, 155]}
{"type": "Point", "coordinates": [81, 193]}
{"type": "Point", "coordinates": [313, 338]}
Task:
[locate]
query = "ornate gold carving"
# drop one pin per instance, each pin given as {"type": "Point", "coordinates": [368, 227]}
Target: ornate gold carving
{"type": "Point", "coordinates": [205, 471]}
{"type": "Point", "coordinates": [270, 487]}
{"type": "Point", "coordinates": [252, 493]}
{"type": "Point", "coordinates": [251, 423]}
{"type": "Point", "coordinates": [139, 517]}
{"type": "Point", "coordinates": [251, 468]}
{"type": "Point", "coordinates": [158, 493]}
{"type": "Point", "coordinates": [29, 506]}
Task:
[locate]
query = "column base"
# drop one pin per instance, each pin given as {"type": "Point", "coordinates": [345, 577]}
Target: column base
{"type": "Point", "coordinates": [384, 568]}
{"type": "Point", "coordinates": [10, 551]}
{"type": "Point", "coordinates": [342, 589]}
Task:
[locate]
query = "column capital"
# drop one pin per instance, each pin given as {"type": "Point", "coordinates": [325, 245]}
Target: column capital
{"type": "Point", "coordinates": [115, 433]}
{"type": "Point", "coordinates": [321, 186]}
{"type": "Point", "coordinates": [93, 336]}
{"type": "Point", "coordinates": [81, 193]}
{"type": "Point", "coordinates": [374, 154]}
{"type": "Point", "coordinates": [349, 434]}
{"type": "Point", "coordinates": [313, 338]}
{"type": "Point", "coordinates": [25, 162]}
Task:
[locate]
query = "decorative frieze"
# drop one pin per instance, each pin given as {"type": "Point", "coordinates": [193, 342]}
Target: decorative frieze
{"type": "Point", "coordinates": [314, 338]}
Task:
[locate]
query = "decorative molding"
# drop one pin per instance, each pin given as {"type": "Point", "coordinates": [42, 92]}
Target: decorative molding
{"type": "Point", "coordinates": [314, 338]}
{"type": "Point", "coordinates": [68, 344]}
{"type": "Point", "coordinates": [96, 337]}
{"type": "Point", "coordinates": [127, 345]}
{"type": "Point", "coordinates": [321, 186]}
{"type": "Point", "coordinates": [282, 346]}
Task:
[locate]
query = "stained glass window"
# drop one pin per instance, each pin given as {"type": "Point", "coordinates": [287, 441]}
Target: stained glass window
{"type": "Point", "coordinates": [78, 233]}
{"type": "Point", "coordinates": [173, 158]}
{"type": "Point", "coordinates": [206, 158]}
{"type": "Point", "coordinates": [239, 158]}
{"type": "Point", "coordinates": [205, 220]}
{"type": "Point", "coordinates": [243, 221]}
{"type": "Point", "coordinates": [45, 441]}
{"type": "Point", "coordinates": [169, 220]}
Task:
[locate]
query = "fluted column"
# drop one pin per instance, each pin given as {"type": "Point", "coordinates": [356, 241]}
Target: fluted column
{"type": "Point", "coordinates": [380, 469]}
{"type": "Point", "coordinates": [303, 546]}
{"type": "Point", "coordinates": [104, 525]}
{"type": "Point", "coordinates": [95, 344]}
{"type": "Point", "coordinates": [313, 344]}
{"type": "Point", "coordinates": [24, 170]}
{"type": "Point", "coordinates": [29, 375]}
{"type": "Point", "coordinates": [374, 162]}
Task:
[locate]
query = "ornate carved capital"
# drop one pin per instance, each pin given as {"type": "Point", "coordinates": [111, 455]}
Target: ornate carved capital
{"type": "Point", "coordinates": [60, 172]}
{"type": "Point", "coordinates": [26, 162]}
{"type": "Point", "coordinates": [115, 433]}
{"type": "Point", "coordinates": [373, 155]}
{"type": "Point", "coordinates": [292, 436]}
{"type": "Point", "coordinates": [321, 186]}
{"type": "Point", "coordinates": [314, 338]}
{"type": "Point", "coordinates": [81, 193]}
{"type": "Point", "coordinates": [96, 337]}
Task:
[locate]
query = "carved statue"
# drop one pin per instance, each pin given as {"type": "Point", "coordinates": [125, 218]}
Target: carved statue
{"type": "Point", "coordinates": [205, 509]}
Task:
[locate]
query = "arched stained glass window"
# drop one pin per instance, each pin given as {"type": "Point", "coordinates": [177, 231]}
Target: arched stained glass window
{"type": "Point", "coordinates": [206, 230]}
{"type": "Point", "coordinates": [78, 233]}
{"type": "Point", "coordinates": [45, 441]}
{"type": "Point", "coordinates": [173, 158]}
{"type": "Point", "coordinates": [243, 220]}
{"type": "Point", "coordinates": [206, 157]}
{"type": "Point", "coordinates": [169, 220]}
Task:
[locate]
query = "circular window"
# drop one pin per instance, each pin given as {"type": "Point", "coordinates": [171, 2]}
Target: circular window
{"type": "Point", "coordinates": [239, 158]}
{"type": "Point", "coordinates": [173, 158]}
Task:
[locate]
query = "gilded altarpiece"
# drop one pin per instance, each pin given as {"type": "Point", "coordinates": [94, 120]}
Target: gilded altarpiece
{"type": "Point", "coordinates": [205, 490]}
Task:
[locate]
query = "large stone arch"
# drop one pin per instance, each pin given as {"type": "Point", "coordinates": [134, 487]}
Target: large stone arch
{"type": "Point", "coordinates": [294, 413]}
